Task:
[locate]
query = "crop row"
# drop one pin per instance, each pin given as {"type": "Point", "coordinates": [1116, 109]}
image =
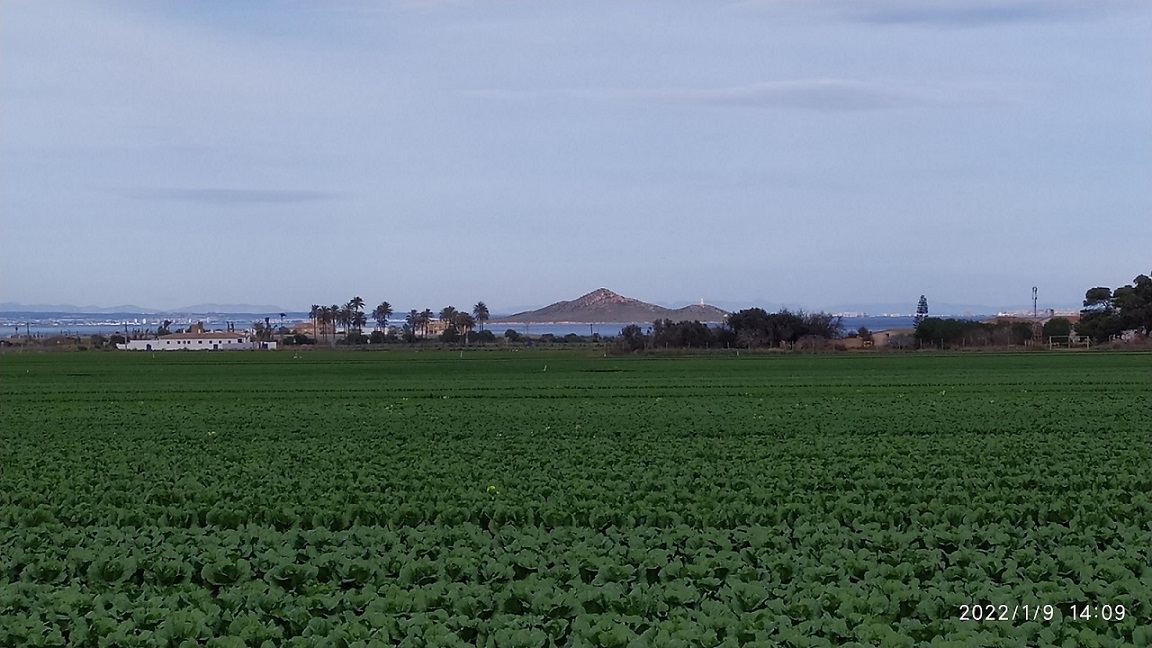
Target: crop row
{"type": "Point", "coordinates": [436, 500]}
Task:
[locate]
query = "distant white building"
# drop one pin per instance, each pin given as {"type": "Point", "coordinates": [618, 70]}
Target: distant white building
{"type": "Point", "coordinates": [207, 341]}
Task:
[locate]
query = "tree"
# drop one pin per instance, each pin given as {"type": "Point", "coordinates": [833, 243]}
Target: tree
{"type": "Point", "coordinates": [358, 320]}
{"type": "Point", "coordinates": [921, 310]}
{"type": "Point", "coordinates": [448, 317]}
{"type": "Point", "coordinates": [324, 317]}
{"type": "Point", "coordinates": [1108, 313]}
{"type": "Point", "coordinates": [750, 327]}
{"type": "Point", "coordinates": [344, 315]}
{"type": "Point", "coordinates": [381, 314]}
{"type": "Point", "coordinates": [464, 323]}
{"type": "Point", "coordinates": [1021, 332]}
{"type": "Point", "coordinates": [480, 312]}
{"type": "Point", "coordinates": [336, 317]}
{"type": "Point", "coordinates": [164, 328]}
{"type": "Point", "coordinates": [1133, 303]}
{"type": "Point", "coordinates": [512, 335]}
{"type": "Point", "coordinates": [631, 338]}
{"type": "Point", "coordinates": [314, 315]}
{"type": "Point", "coordinates": [822, 325]}
{"type": "Point", "coordinates": [355, 308]}
{"type": "Point", "coordinates": [450, 335]}
{"type": "Point", "coordinates": [411, 325]}
{"type": "Point", "coordinates": [1098, 299]}
{"type": "Point", "coordinates": [948, 332]}
{"type": "Point", "coordinates": [1056, 327]}
{"type": "Point", "coordinates": [1098, 319]}
{"type": "Point", "coordinates": [425, 320]}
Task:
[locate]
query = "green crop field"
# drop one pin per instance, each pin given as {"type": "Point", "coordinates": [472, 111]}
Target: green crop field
{"type": "Point", "coordinates": [568, 499]}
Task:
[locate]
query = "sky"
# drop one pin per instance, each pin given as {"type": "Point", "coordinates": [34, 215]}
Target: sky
{"type": "Point", "coordinates": [431, 153]}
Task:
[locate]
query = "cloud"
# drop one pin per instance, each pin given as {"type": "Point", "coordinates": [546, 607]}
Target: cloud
{"type": "Point", "coordinates": [232, 196]}
{"type": "Point", "coordinates": [821, 95]}
{"type": "Point", "coordinates": [816, 95]}
{"type": "Point", "coordinates": [941, 13]}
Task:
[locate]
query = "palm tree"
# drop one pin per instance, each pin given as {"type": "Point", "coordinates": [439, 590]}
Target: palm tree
{"type": "Point", "coordinates": [346, 314]}
{"type": "Point", "coordinates": [314, 315]}
{"type": "Point", "coordinates": [448, 316]}
{"type": "Point", "coordinates": [323, 316]}
{"type": "Point", "coordinates": [412, 321]}
{"type": "Point", "coordinates": [381, 314]}
{"type": "Point", "coordinates": [464, 323]}
{"type": "Point", "coordinates": [355, 305]}
{"type": "Point", "coordinates": [480, 312]}
{"type": "Point", "coordinates": [335, 319]}
{"type": "Point", "coordinates": [358, 320]}
{"type": "Point", "coordinates": [425, 320]}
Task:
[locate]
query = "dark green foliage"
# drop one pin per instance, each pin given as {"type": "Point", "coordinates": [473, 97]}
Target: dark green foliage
{"type": "Point", "coordinates": [1022, 332]}
{"type": "Point", "coordinates": [921, 310]}
{"type": "Point", "coordinates": [1057, 327]}
{"type": "Point", "coordinates": [631, 338]}
{"type": "Point", "coordinates": [681, 335]}
{"type": "Point", "coordinates": [1134, 305]}
{"type": "Point", "coordinates": [353, 338]}
{"type": "Point", "coordinates": [1109, 313]}
{"type": "Point", "coordinates": [756, 328]}
{"type": "Point", "coordinates": [483, 337]}
{"type": "Point", "coordinates": [949, 332]}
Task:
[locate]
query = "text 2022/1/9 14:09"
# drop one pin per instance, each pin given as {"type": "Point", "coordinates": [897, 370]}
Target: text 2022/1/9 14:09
{"type": "Point", "coordinates": [1046, 612]}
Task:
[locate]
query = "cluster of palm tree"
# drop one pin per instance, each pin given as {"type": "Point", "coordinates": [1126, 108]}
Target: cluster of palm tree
{"type": "Point", "coordinates": [326, 319]}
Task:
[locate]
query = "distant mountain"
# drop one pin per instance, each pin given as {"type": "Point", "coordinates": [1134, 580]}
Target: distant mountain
{"type": "Point", "coordinates": [199, 309]}
{"type": "Point", "coordinates": [603, 305]}
{"type": "Point", "coordinates": [13, 307]}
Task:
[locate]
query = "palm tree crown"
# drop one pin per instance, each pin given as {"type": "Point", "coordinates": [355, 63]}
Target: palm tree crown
{"type": "Point", "coordinates": [381, 314]}
{"type": "Point", "coordinates": [448, 316]}
{"type": "Point", "coordinates": [480, 312]}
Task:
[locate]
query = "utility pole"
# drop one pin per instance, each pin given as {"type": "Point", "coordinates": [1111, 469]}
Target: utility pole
{"type": "Point", "coordinates": [1034, 312]}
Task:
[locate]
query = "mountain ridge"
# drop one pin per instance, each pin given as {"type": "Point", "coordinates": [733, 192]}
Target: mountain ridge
{"type": "Point", "coordinates": [603, 305]}
{"type": "Point", "coordinates": [198, 309]}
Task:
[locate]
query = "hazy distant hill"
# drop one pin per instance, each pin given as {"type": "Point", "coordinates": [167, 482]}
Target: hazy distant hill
{"type": "Point", "coordinates": [603, 305]}
{"type": "Point", "coordinates": [248, 309]}
{"type": "Point", "coordinates": [13, 307]}
{"type": "Point", "coordinates": [229, 308]}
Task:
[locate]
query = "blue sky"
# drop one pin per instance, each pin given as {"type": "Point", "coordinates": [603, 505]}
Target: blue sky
{"type": "Point", "coordinates": [434, 153]}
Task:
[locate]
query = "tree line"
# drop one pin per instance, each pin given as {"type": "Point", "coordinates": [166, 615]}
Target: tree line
{"type": "Point", "coordinates": [1108, 313]}
{"type": "Point", "coordinates": [751, 328]}
{"type": "Point", "coordinates": [454, 324]}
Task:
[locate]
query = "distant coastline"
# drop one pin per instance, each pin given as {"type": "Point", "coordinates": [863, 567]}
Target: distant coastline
{"type": "Point", "coordinates": [80, 324]}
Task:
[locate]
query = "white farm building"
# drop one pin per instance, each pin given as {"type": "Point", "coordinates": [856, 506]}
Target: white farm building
{"type": "Point", "coordinates": [207, 341]}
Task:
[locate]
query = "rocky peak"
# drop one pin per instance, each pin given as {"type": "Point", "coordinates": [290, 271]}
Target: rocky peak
{"type": "Point", "coordinates": [600, 297]}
